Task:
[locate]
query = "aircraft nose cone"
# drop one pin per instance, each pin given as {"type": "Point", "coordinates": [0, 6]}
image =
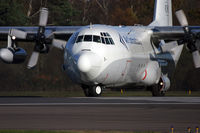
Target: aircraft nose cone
{"type": "Point", "coordinates": [88, 63]}
{"type": "Point", "coordinates": [84, 63]}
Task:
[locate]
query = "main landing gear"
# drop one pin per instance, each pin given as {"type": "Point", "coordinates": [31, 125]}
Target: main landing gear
{"type": "Point", "coordinates": [92, 91]}
{"type": "Point", "coordinates": [157, 89]}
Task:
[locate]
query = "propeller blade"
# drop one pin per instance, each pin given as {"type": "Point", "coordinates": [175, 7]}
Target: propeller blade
{"type": "Point", "coordinates": [33, 60]}
{"type": "Point", "coordinates": [43, 17]}
{"type": "Point", "coordinates": [198, 44]}
{"type": "Point", "coordinates": [196, 58]}
{"type": "Point", "coordinates": [18, 33]}
{"type": "Point", "coordinates": [9, 41]}
{"type": "Point", "coordinates": [41, 38]}
{"type": "Point", "coordinates": [181, 18]}
{"type": "Point", "coordinates": [59, 43]}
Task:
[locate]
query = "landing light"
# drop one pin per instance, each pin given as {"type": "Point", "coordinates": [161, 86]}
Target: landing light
{"type": "Point", "coordinates": [13, 37]}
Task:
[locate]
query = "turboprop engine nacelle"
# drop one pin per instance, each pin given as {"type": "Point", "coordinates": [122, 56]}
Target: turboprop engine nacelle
{"type": "Point", "coordinates": [13, 56]}
{"type": "Point", "coordinates": [151, 75]}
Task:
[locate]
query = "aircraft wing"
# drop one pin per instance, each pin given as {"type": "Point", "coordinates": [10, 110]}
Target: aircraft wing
{"type": "Point", "coordinates": [174, 33]}
{"type": "Point", "coordinates": [58, 32]}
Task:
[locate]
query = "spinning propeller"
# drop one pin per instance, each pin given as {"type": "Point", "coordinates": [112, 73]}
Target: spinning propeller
{"type": "Point", "coordinates": [41, 41]}
{"type": "Point", "coordinates": [191, 39]}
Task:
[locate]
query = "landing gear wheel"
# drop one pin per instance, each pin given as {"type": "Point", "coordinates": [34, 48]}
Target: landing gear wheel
{"type": "Point", "coordinates": [156, 91]}
{"type": "Point", "coordinates": [92, 91]}
{"type": "Point", "coordinates": [96, 90]}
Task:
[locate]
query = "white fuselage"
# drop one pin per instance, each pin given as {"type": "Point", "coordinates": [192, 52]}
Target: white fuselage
{"type": "Point", "coordinates": [125, 61]}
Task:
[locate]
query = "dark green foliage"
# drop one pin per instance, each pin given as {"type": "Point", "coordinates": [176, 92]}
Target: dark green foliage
{"type": "Point", "coordinates": [61, 12]}
{"type": "Point", "coordinates": [12, 13]}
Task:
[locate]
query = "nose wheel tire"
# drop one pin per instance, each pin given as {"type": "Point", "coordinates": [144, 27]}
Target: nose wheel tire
{"type": "Point", "coordinates": [92, 91]}
{"type": "Point", "coordinates": [97, 90]}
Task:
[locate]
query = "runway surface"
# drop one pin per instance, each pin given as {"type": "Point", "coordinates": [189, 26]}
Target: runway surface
{"type": "Point", "coordinates": [103, 113]}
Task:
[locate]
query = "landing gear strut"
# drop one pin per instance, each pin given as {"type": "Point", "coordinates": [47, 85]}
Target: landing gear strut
{"type": "Point", "coordinates": [92, 91]}
{"type": "Point", "coordinates": [157, 90]}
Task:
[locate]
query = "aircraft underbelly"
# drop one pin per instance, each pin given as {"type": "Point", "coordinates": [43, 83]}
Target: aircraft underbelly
{"type": "Point", "coordinates": [121, 72]}
{"type": "Point", "coordinates": [114, 73]}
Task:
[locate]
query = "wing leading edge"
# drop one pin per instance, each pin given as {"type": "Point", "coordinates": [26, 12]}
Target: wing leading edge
{"type": "Point", "coordinates": [60, 32]}
{"type": "Point", "coordinates": [174, 33]}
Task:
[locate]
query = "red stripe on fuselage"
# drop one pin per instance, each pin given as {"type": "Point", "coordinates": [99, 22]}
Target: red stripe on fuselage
{"type": "Point", "coordinates": [145, 75]}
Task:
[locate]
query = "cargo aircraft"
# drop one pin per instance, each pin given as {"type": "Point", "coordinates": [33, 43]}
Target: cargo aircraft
{"type": "Point", "coordinates": [102, 56]}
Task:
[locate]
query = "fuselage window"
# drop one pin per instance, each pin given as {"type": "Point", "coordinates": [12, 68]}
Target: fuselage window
{"type": "Point", "coordinates": [80, 39]}
{"type": "Point", "coordinates": [88, 38]}
{"type": "Point", "coordinates": [97, 39]}
{"type": "Point", "coordinates": [102, 40]}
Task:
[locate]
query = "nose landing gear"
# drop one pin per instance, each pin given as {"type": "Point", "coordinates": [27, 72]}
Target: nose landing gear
{"type": "Point", "coordinates": [92, 91]}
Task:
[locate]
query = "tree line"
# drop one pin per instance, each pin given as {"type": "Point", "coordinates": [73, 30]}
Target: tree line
{"type": "Point", "coordinates": [84, 12]}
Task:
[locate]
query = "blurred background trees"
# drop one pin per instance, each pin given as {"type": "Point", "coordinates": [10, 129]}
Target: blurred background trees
{"type": "Point", "coordinates": [12, 12]}
{"type": "Point", "coordinates": [48, 74]}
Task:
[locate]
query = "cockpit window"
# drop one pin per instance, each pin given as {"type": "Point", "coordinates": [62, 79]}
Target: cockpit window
{"type": "Point", "coordinates": [107, 34]}
{"type": "Point", "coordinates": [88, 38]}
{"type": "Point", "coordinates": [106, 38]}
{"type": "Point", "coordinates": [111, 41]}
{"type": "Point", "coordinates": [107, 41]}
{"type": "Point", "coordinates": [103, 40]}
{"type": "Point", "coordinates": [96, 39]}
{"type": "Point", "coordinates": [80, 39]}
